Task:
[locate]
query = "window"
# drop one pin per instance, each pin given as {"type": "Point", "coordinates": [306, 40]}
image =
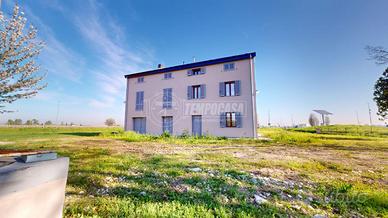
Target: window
{"type": "Point", "coordinates": [228, 66]}
{"type": "Point", "coordinates": [230, 88]}
{"type": "Point", "coordinates": [196, 71]}
{"type": "Point", "coordinates": [139, 101]}
{"type": "Point", "coordinates": [167, 98]}
{"type": "Point", "coordinates": [140, 79]}
{"type": "Point", "coordinates": [230, 119]}
{"type": "Point", "coordinates": [168, 76]}
{"type": "Point", "coordinates": [167, 124]}
{"type": "Point", "coordinates": [196, 92]}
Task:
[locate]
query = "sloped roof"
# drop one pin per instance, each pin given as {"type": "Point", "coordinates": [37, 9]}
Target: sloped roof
{"type": "Point", "coordinates": [193, 65]}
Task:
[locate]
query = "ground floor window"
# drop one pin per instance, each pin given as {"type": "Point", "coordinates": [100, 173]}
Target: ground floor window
{"type": "Point", "coordinates": [230, 119]}
{"type": "Point", "coordinates": [139, 125]}
{"type": "Point", "coordinates": [167, 124]}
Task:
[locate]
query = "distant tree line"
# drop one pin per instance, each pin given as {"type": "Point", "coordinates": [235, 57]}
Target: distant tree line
{"type": "Point", "coordinates": [28, 122]}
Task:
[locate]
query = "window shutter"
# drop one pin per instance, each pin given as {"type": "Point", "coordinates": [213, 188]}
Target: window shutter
{"type": "Point", "coordinates": [223, 120]}
{"type": "Point", "coordinates": [189, 92]}
{"type": "Point", "coordinates": [222, 89]}
{"type": "Point", "coordinates": [141, 100]}
{"type": "Point", "coordinates": [169, 97]}
{"type": "Point", "coordinates": [237, 87]}
{"type": "Point", "coordinates": [137, 100]}
{"type": "Point", "coordinates": [203, 91]}
{"type": "Point", "coordinates": [189, 72]}
{"type": "Point", "coordinates": [165, 98]}
{"type": "Point", "coordinates": [238, 120]}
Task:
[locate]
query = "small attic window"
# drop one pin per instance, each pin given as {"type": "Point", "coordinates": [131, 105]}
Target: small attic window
{"type": "Point", "coordinates": [229, 66]}
{"type": "Point", "coordinates": [168, 76]}
{"type": "Point", "coordinates": [196, 71]}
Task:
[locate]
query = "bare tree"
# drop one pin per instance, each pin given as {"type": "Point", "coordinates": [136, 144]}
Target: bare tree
{"type": "Point", "coordinates": [110, 122]}
{"type": "Point", "coordinates": [313, 120]}
{"type": "Point", "coordinates": [19, 77]}
{"type": "Point", "coordinates": [378, 54]}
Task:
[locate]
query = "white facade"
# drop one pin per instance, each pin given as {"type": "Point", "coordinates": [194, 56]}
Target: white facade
{"type": "Point", "coordinates": [211, 114]}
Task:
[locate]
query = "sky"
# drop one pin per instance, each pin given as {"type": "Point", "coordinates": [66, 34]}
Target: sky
{"type": "Point", "coordinates": [310, 54]}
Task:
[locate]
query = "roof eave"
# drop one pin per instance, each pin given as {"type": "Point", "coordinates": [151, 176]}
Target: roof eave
{"type": "Point", "coordinates": [193, 65]}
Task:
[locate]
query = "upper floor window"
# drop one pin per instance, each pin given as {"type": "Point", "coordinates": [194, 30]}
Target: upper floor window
{"type": "Point", "coordinates": [139, 101]}
{"type": "Point", "coordinates": [196, 92]}
{"type": "Point", "coordinates": [231, 88]}
{"type": "Point", "coordinates": [167, 98]}
{"type": "Point", "coordinates": [140, 79]}
{"type": "Point", "coordinates": [167, 75]}
{"type": "Point", "coordinates": [229, 66]}
{"type": "Point", "coordinates": [196, 71]}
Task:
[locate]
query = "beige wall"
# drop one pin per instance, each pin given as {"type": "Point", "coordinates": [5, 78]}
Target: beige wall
{"type": "Point", "coordinates": [209, 108]}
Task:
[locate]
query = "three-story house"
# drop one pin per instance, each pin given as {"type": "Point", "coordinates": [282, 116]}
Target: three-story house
{"type": "Point", "coordinates": [214, 97]}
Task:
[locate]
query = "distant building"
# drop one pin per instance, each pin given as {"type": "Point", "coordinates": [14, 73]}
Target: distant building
{"type": "Point", "coordinates": [214, 97]}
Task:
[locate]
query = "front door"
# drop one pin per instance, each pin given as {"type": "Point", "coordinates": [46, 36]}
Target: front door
{"type": "Point", "coordinates": [197, 125]}
{"type": "Point", "coordinates": [139, 125]}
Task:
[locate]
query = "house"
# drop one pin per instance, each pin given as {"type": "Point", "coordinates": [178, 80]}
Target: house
{"type": "Point", "coordinates": [214, 97]}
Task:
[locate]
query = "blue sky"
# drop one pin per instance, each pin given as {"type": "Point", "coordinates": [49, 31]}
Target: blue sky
{"type": "Point", "coordinates": [310, 54]}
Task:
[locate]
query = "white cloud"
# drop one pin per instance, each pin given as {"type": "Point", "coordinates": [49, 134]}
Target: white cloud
{"type": "Point", "coordinates": [56, 57]}
{"type": "Point", "coordinates": [104, 102]}
{"type": "Point", "coordinates": [107, 39]}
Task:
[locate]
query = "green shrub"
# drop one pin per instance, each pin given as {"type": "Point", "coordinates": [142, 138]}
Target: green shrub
{"type": "Point", "coordinates": [165, 134]}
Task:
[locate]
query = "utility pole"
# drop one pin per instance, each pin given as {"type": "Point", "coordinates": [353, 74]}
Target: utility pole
{"type": "Point", "coordinates": [358, 120]}
{"type": "Point", "coordinates": [269, 118]}
{"type": "Point", "coordinates": [370, 118]}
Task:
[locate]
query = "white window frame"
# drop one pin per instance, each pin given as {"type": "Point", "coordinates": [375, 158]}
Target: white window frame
{"type": "Point", "coordinates": [167, 77]}
{"type": "Point", "coordinates": [140, 79]}
{"type": "Point", "coordinates": [227, 66]}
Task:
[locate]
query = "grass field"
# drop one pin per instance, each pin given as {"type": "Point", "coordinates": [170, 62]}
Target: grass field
{"type": "Point", "coordinates": [340, 172]}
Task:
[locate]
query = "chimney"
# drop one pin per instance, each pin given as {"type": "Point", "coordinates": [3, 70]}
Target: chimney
{"type": "Point", "coordinates": [160, 66]}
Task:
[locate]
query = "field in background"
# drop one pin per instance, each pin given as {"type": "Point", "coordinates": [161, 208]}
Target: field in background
{"type": "Point", "coordinates": [342, 171]}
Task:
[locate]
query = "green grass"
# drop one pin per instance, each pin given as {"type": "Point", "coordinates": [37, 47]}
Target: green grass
{"type": "Point", "coordinates": [124, 174]}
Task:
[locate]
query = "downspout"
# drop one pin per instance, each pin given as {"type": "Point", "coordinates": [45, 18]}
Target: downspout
{"type": "Point", "coordinates": [253, 89]}
{"type": "Point", "coordinates": [126, 107]}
